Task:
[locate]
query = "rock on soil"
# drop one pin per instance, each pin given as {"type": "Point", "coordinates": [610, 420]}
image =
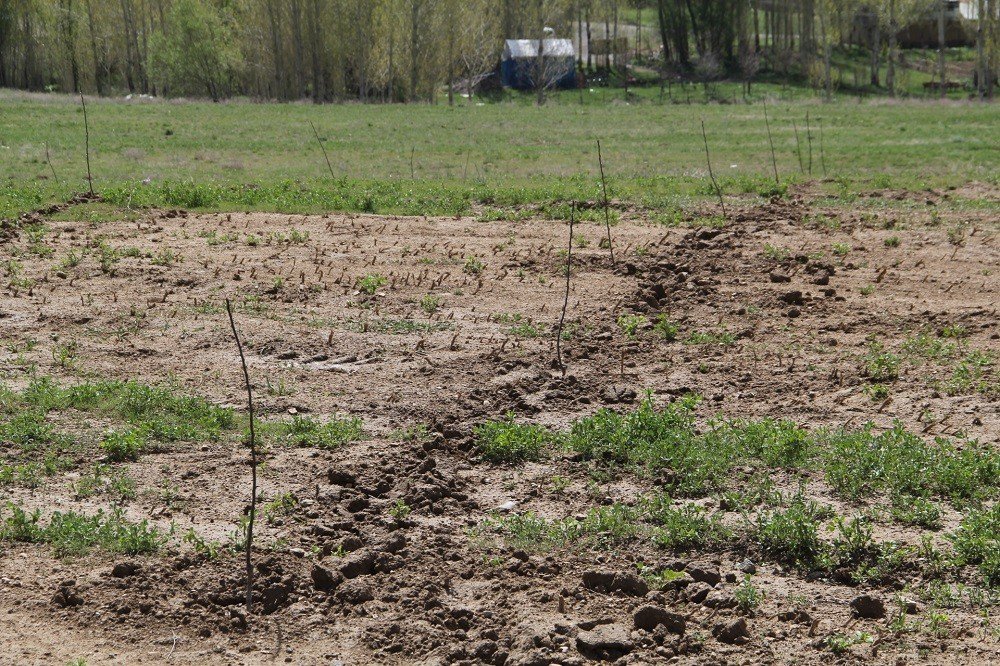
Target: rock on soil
{"type": "Point", "coordinates": [867, 607]}
{"type": "Point", "coordinates": [610, 581]}
{"type": "Point", "coordinates": [735, 632]}
{"type": "Point", "coordinates": [649, 617]}
{"type": "Point", "coordinates": [705, 574]}
{"type": "Point", "coordinates": [607, 642]}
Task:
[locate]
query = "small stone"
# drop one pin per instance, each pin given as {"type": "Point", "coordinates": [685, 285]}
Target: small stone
{"type": "Point", "coordinates": [696, 592]}
{"type": "Point", "coordinates": [779, 277]}
{"type": "Point", "coordinates": [325, 579]}
{"type": "Point", "coordinates": [359, 563]}
{"type": "Point", "coordinates": [719, 599]}
{"type": "Point", "coordinates": [610, 581]}
{"type": "Point", "coordinates": [795, 617]}
{"type": "Point", "coordinates": [125, 570]}
{"type": "Point", "coordinates": [607, 642]}
{"type": "Point", "coordinates": [66, 597]}
{"type": "Point", "coordinates": [356, 591]}
{"type": "Point", "coordinates": [705, 574]}
{"type": "Point", "coordinates": [793, 297]}
{"type": "Point", "coordinates": [867, 607]}
{"type": "Point", "coordinates": [649, 617]}
{"type": "Point", "coordinates": [735, 632]}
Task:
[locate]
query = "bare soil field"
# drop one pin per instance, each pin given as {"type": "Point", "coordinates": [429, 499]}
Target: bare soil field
{"type": "Point", "coordinates": [397, 535]}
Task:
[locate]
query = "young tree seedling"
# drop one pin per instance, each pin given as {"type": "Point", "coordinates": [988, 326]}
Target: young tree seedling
{"type": "Point", "coordinates": [252, 442]}
{"type": "Point", "coordinates": [86, 136]}
{"type": "Point", "coordinates": [711, 174]}
{"type": "Point", "coordinates": [323, 148]}
{"type": "Point", "coordinates": [607, 214]}
{"type": "Point", "coordinates": [569, 267]}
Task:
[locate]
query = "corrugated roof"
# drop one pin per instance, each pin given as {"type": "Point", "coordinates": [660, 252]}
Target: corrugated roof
{"type": "Point", "coordinates": [528, 48]}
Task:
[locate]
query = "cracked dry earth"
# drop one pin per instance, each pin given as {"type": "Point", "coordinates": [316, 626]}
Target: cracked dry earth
{"type": "Point", "coordinates": [340, 580]}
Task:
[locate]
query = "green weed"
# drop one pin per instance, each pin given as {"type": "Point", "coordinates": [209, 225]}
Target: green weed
{"type": "Point", "coordinates": [507, 441]}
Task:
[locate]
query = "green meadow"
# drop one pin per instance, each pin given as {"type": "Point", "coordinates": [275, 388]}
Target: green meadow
{"type": "Point", "coordinates": [496, 156]}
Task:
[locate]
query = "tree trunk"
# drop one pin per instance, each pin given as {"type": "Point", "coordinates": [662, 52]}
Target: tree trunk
{"type": "Point", "coordinates": [942, 71]}
{"type": "Point", "coordinates": [98, 79]}
{"type": "Point", "coordinates": [414, 44]}
{"type": "Point", "coordinates": [982, 80]}
{"type": "Point", "coordinates": [317, 71]}
{"type": "Point", "coordinates": [876, 45]}
{"type": "Point", "coordinates": [890, 76]}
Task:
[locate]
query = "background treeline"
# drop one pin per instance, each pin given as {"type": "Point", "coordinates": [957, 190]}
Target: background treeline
{"type": "Point", "coordinates": [403, 50]}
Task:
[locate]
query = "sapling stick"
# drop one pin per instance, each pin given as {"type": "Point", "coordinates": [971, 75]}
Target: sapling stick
{"type": "Point", "coordinates": [48, 160]}
{"type": "Point", "coordinates": [809, 142]}
{"type": "Point", "coordinates": [323, 148]}
{"type": "Point", "coordinates": [252, 442]}
{"type": "Point", "coordinates": [607, 214]}
{"type": "Point", "coordinates": [86, 135]}
{"type": "Point", "coordinates": [822, 152]}
{"type": "Point", "coordinates": [798, 147]}
{"type": "Point", "coordinates": [569, 268]}
{"type": "Point", "coordinates": [770, 140]}
{"type": "Point", "coordinates": [711, 174]}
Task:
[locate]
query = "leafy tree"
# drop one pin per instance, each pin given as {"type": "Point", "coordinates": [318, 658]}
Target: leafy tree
{"type": "Point", "coordinates": [196, 52]}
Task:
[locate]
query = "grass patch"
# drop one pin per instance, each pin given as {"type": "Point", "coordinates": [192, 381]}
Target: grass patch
{"type": "Point", "coordinates": [73, 534]}
{"type": "Point", "coordinates": [666, 443]}
{"type": "Point", "coordinates": [336, 432]}
{"type": "Point", "coordinates": [863, 463]}
{"type": "Point", "coordinates": [652, 519]}
{"type": "Point", "coordinates": [507, 441]}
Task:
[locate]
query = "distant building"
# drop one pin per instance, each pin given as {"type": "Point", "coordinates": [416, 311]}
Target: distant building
{"type": "Point", "coordinates": [968, 9]}
{"type": "Point", "coordinates": [522, 69]}
{"type": "Point", "coordinates": [958, 31]}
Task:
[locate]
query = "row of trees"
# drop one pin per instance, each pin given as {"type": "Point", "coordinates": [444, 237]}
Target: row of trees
{"type": "Point", "coordinates": [397, 50]}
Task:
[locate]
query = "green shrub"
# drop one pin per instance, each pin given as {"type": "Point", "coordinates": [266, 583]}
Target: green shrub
{"type": "Point", "coordinates": [792, 535]}
{"type": "Point", "coordinates": [122, 445]}
{"type": "Point", "coordinates": [336, 432]}
{"type": "Point", "coordinates": [507, 441]}
{"type": "Point", "coordinates": [684, 527]}
{"type": "Point", "coordinates": [862, 462]}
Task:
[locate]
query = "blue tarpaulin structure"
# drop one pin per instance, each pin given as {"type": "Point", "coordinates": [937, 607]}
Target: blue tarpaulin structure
{"type": "Point", "coordinates": [520, 67]}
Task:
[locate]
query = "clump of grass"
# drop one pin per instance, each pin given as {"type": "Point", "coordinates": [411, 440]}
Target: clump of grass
{"type": "Point", "coordinates": [603, 527]}
{"type": "Point", "coordinates": [630, 324]}
{"type": "Point", "coordinates": [666, 443]}
{"type": "Point", "coordinates": [665, 328]}
{"type": "Point", "coordinates": [776, 253]}
{"type": "Point", "coordinates": [122, 445]}
{"type": "Point", "coordinates": [369, 284]}
{"type": "Point", "coordinates": [473, 266]}
{"type": "Point", "coordinates": [877, 392]}
{"type": "Point", "coordinates": [915, 510]}
{"type": "Point", "coordinates": [507, 441]}
{"type": "Point", "coordinates": [430, 304]}
{"type": "Point", "coordinates": [792, 535]}
{"type": "Point", "coordinates": [861, 463]}
{"type": "Point", "coordinates": [748, 596]}
{"type": "Point", "coordinates": [977, 541]}
{"type": "Point", "coordinates": [400, 511]}
{"type": "Point", "coordinates": [525, 330]}
{"type": "Point", "coordinates": [336, 432]}
{"type": "Point", "coordinates": [683, 527]}
{"type": "Point", "coordinates": [881, 365]}
{"type": "Point", "coordinates": [75, 534]}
